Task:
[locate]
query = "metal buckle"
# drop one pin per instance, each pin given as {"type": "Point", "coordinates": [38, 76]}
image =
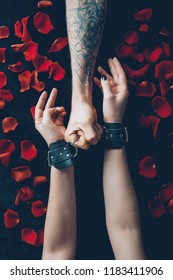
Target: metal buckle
{"type": "Point", "coordinates": [48, 159]}
{"type": "Point", "coordinates": [126, 133]}
{"type": "Point", "coordinates": [75, 148]}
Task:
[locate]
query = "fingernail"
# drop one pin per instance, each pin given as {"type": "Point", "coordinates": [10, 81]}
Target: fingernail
{"type": "Point", "coordinates": [104, 78]}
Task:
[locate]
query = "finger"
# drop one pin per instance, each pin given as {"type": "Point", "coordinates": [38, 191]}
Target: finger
{"type": "Point", "coordinates": [91, 135]}
{"type": "Point", "coordinates": [81, 142]}
{"type": "Point", "coordinates": [103, 72]}
{"type": "Point", "coordinates": [40, 105]}
{"type": "Point", "coordinates": [120, 71]}
{"type": "Point", "coordinates": [106, 87]}
{"type": "Point", "coordinates": [76, 137]}
{"type": "Point", "coordinates": [98, 130]}
{"type": "Point", "coordinates": [48, 113]}
{"type": "Point", "coordinates": [113, 70]}
{"type": "Point", "coordinates": [97, 83]}
{"type": "Point", "coordinates": [51, 101]}
{"type": "Point", "coordinates": [60, 109]}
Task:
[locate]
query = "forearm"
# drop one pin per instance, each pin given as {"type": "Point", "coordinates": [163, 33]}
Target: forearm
{"type": "Point", "coordinates": [60, 225]}
{"type": "Point", "coordinates": [85, 23]}
{"type": "Point", "coordinates": [122, 215]}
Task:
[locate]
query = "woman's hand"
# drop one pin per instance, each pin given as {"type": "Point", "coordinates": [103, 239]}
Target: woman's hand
{"type": "Point", "coordinates": [49, 120]}
{"type": "Point", "coordinates": [115, 91]}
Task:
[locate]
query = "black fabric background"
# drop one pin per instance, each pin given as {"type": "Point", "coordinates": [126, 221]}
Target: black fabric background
{"type": "Point", "coordinates": [93, 242]}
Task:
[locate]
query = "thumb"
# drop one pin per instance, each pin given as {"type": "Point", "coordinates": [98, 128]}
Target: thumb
{"type": "Point", "coordinates": [47, 115]}
{"type": "Point", "coordinates": [77, 137]}
{"type": "Point", "coordinates": [90, 135]}
{"type": "Point", "coordinates": [106, 87]}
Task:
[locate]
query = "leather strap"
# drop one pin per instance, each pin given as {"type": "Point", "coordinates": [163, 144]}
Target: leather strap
{"type": "Point", "coordinates": [114, 135]}
{"type": "Point", "coordinates": [61, 154]}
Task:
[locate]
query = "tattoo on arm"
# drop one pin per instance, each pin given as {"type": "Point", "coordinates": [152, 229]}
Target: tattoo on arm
{"type": "Point", "coordinates": [85, 23]}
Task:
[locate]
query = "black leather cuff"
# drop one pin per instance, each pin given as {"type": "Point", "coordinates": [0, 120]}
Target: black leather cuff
{"type": "Point", "coordinates": [61, 154]}
{"type": "Point", "coordinates": [114, 135]}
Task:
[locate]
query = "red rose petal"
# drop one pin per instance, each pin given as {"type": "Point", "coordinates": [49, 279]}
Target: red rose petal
{"type": "Point", "coordinates": [17, 67]}
{"type": "Point", "coordinates": [38, 208]}
{"type": "Point", "coordinates": [147, 167]}
{"type": "Point", "coordinates": [11, 218]}
{"type": "Point", "coordinates": [35, 83]}
{"type": "Point", "coordinates": [152, 56]}
{"type": "Point", "coordinates": [30, 50]}
{"type": "Point", "coordinates": [21, 30]}
{"type": "Point", "coordinates": [131, 83]}
{"type": "Point", "coordinates": [58, 44]}
{"type": "Point", "coordinates": [24, 79]}
{"type": "Point", "coordinates": [2, 104]}
{"type": "Point", "coordinates": [3, 80]}
{"type": "Point", "coordinates": [9, 124]}
{"type": "Point", "coordinates": [29, 236]}
{"type": "Point", "coordinates": [163, 87]}
{"type": "Point", "coordinates": [4, 32]}
{"type": "Point", "coordinates": [43, 23]}
{"type": "Point", "coordinates": [170, 206]}
{"type": "Point", "coordinates": [39, 180]}
{"type": "Point", "coordinates": [155, 124]}
{"type": "Point", "coordinates": [146, 121]}
{"type": "Point", "coordinates": [131, 37]}
{"type": "Point", "coordinates": [42, 63]}
{"type": "Point", "coordinates": [146, 89]}
{"type": "Point", "coordinates": [2, 55]}
{"type": "Point", "coordinates": [166, 52]}
{"type": "Point", "coordinates": [156, 207]}
{"type": "Point", "coordinates": [134, 74]}
{"type": "Point", "coordinates": [25, 194]}
{"type": "Point", "coordinates": [163, 68]}
{"type": "Point", "coordinates": [56, 71]}
{"type": "Point", "coordinates": [20, 173]}
{"type": "Point", "coordinates": [161, 107]}
{"type": "Point", "coordinates": [40, 238]}
{"type": "Point", "coordinates": [143, 15]}
{"type": "Point", "coordinates": [28, 150]}
{"type": "Point", "coordinates": [32, 110]}
{"type": "Point", "coordinates": [7, 147]}
{"type": "Point", "coordinates": [163, 31]}
{"type": "Point", "coordinates": [18, 29]}
{"type": "Point", "coordinates": [123, 50]}
{"type": "Point", "coordinates": [166, 192]}
{"type": "Point", "coordinates": [6, 95]}
{"type": "Point", "coordinates": [43, 4]}
{"type": "Point", "coordinates": [137, 56]}
{"type": "Point", "coordinates": [18, 47]}
{"type": "Point", "coordinates": [144, 27]}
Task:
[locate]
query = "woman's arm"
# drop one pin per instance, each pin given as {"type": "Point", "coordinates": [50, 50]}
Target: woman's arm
{"type": "Point", "coordinates": [122, 214]}
{"type": "Point", "coordinates": [60, 226]}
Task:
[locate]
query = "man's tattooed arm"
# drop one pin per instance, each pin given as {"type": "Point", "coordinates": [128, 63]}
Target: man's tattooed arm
{"type": "Point", "coordinates": [85, 23]}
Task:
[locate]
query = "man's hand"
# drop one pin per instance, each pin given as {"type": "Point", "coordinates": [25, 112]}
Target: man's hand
{"type": "Point", "coordinates": [83, 128]}
{"type": "Point", "coordinates": [115, 91]}
{"type": "Point", "coordinates": [49, 119]}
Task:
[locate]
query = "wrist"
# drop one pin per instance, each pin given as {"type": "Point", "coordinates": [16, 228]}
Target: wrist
{"type": "Point", "coordinates": [54, 140]}
{"type": "Point", "coordinates": [116, 119]}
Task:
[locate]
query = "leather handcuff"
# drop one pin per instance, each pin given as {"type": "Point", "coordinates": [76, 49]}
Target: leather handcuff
{"type": "Point", "coordinates": [61, 154]}
{"type": "Point", "coordinates": [115, 136]}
